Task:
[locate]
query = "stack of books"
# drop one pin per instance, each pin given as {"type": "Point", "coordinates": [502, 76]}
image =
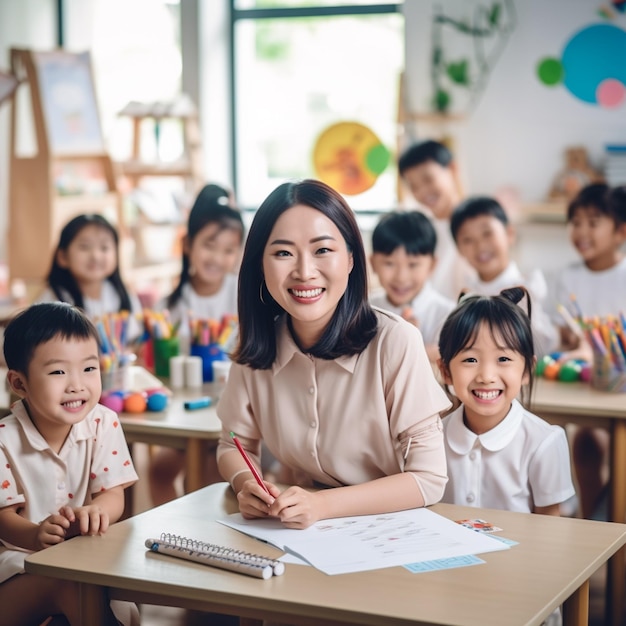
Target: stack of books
{"type": "Point", "coordinates": [615, 171]}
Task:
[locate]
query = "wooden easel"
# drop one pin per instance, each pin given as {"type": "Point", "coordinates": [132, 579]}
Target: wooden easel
{"type": "Point", "coordinates": [61, 168]}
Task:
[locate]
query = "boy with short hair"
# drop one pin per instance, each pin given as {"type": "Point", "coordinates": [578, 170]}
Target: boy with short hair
{"type": "Point", "coordinates": [596, 220]}
{"type": "Point", "coordinates": [64, 462]}
{"type": "Point", "coordinates": [430, 172]}
{"type": "Point", "coordinates": [403, 258]}
{"type": "Point", "coordinates": [484, 236]}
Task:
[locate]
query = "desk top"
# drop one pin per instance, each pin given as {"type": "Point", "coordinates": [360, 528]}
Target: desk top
{"type": "Point", "coordinates": [576, 399]}
{"type": "Point", "coordinates": [176, 421]}
{"type": "Point", "coordinates": [517, 586]}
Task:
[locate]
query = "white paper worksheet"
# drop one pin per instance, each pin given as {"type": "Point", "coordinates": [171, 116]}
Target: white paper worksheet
{"type": "Point", "coordinates": [365, 542]}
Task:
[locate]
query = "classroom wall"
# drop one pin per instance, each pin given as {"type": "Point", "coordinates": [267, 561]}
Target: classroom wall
{"type": "Point", "coordinates": [517, 133]}
{"type": "Point", "coordinates": [514, 137]}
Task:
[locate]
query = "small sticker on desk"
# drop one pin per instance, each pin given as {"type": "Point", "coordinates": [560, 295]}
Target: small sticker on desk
{"type": "Point", "coordinates": [479, 525]}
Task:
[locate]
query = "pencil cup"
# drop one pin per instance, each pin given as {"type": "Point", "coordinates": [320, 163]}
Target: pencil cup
{"type": "Point", "coordinates": [209, 354]}
{"type": "Point", "coordinates": [164, 350]}
{"type": "Point", "coordinates": [193, 371]}
{"type": "Point", "coordinates": [605, 376]}
{"type": "Point", "coordinates": [177, 372]}
{"type": "Point", "coordinates": [116, 378]}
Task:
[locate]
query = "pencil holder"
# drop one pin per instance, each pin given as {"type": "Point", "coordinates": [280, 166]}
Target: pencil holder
{"type": "Point", "coordinates": [164, 350]}
{"type": "Point", "coordinates": [116, 373]}
{"type": "Point", "coordinates": [208, 353]}
{"type": "Point", "coordinates": [605, 376]}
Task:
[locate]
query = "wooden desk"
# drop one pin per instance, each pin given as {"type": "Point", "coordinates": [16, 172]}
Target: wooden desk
{"type": "Point", "coordinates": [579, 403]}
{"type": "Point", "coordinates": [521, 586]}
{"type": "Point", "coordinates": [177, 427]}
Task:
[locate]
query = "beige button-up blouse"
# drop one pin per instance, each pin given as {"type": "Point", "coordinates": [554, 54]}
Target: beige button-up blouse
{"type": "Point", "coordinates": [344, 421]}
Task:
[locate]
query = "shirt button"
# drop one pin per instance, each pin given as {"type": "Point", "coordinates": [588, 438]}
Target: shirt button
{"type": "Point", "coordinates": [470, 497]}
{"type": "Point", "coordinates": [311, 390]}
{"type": "Point", "coordinates": [61, 486]}
{"type": "Point", "coordinates": [312, 452]}
{"type": "Point", "coordinates": [472, 455]}
{"type": "Point", "coordinates": [313, 424]}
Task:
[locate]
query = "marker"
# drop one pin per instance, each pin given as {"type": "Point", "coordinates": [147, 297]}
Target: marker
{"type": "Point", "coordinates": [200, 403]}
{"type": "Point", "coordinates": [249, 463]}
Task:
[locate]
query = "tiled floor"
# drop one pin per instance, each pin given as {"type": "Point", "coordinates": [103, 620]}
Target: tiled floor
{"type": "Point", "coordinates": [165, 616]}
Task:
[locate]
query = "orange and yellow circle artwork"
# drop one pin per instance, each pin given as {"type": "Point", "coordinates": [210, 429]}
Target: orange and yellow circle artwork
{"type": "Point", "coordinates": [349, 157]}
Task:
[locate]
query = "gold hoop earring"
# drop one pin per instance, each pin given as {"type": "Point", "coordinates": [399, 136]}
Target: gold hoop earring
{"type": "Point", "coordinates": [261, 292]}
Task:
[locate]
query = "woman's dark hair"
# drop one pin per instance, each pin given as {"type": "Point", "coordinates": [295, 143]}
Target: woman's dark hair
{"type": "Point", "coordinates": [353, 324]}
{"type": "Point", "coordinates": [40, 323]}
{"type": "Point", "coordinates": [212, 206]}
{"type": "Point", "coordinates": [506, 320]}
{"type": "Point", "coordinates": [60, 279]}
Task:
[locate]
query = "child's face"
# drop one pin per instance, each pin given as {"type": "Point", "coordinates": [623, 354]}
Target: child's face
{"type": "Point", "coordinates": [213, 253]}
{"type": "Point", "coordinates": [487, 377]}
{"type": "Point", "coordinates": [402, 275]}
{"type": "Point", "coordinates": [596, 238]}
{"type": "Point", "coordinates": [485, 242]}
{"type": "Point", "coordinates": [63, 384]}
{"type": "Point", "coordinates": [433, 186]}
{"type": "Point", "coordinates": [91, 256]}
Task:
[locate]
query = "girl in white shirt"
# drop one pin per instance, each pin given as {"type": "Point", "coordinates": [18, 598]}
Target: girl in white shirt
{"type": "Point", "coordinates": [207, 289]}
{"type": "Point", "coordinates": [85, 271]}
{"type": "Point", "coordinates": [499, 455]}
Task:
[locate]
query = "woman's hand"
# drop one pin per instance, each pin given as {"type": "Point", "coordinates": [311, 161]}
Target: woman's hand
{"type": "Point", "coordinates": [254, 501]}
{"type": "Point", "coordinates": [298, 508]}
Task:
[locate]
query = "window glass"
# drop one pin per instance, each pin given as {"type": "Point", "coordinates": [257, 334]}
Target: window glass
{"type": "Point", "coordinates": [295, 77]}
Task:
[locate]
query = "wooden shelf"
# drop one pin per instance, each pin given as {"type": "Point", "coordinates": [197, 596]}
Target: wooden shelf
{"type": "Point", "coordinates": [545, 211]}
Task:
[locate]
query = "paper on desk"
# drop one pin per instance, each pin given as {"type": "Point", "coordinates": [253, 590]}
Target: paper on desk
{"type": "Point", "coordinates": [366, 542]}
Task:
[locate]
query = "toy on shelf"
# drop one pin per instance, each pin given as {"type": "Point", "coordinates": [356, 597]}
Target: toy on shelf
{"type": "Point", "coordinates": [567, 371]}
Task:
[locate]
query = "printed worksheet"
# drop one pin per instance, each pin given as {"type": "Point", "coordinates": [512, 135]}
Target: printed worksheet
{"type": "Point", "coordinates": [366, 542]}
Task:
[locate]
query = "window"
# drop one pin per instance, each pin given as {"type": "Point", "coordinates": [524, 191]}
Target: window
{"type": "Point", "coordinates": [300, 67]}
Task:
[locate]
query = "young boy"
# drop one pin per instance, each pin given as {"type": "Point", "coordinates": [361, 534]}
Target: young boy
{"type": "Point", "coordinates": [403, 258]}
{"type": "Point", "coordinates": [64, 462]}
{"type": "Point", "coordinates": [430, 173]}
{"type": "Point", "coordinates": [484, 236]}
{"type": "Point", "coordinates": [596, 220]}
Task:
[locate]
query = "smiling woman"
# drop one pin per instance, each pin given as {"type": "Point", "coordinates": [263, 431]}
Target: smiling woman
{"type": "Point", "coordinates": [321, 377]}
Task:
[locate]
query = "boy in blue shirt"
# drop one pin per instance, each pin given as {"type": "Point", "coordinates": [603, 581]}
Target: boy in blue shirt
{"type": "Point", "coordinates": [403, 258]}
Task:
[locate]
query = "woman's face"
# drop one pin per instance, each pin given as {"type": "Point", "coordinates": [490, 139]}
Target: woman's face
{"type": "Point", "coordinates": [306, 265]}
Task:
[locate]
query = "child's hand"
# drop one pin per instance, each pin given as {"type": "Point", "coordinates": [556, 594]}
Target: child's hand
{"type": "Point", "coordinates": [408, 315]}
{"type": "Point", "coordinates": [297, 508]}
{"type": "Point", "coordinates": [253, 501]}
{"type": "Point", "coordinates": [85, 520]}
{"type": "Point", "coordinates": [51, 531]}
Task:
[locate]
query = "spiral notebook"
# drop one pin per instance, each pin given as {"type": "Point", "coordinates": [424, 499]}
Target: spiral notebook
{"type": "Point", "coordinates": [216, 556]}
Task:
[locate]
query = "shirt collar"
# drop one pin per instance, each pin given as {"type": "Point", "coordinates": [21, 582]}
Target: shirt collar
{"type": "Point", "coordinates": [510, 276]}
{"type": "Point", "coordinates": [287, 349]}
{"type": "Point", "coordinates": [461, 439]}
{"type": "Point", "coordinates": [83, 430]}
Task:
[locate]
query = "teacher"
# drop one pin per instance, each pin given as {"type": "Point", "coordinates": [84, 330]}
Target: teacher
{"type": "Point", "coordinates": [342, 394]}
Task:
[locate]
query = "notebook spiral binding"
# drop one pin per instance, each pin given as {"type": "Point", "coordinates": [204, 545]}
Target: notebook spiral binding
{"type": "Point", "coordinates": [216, 555]}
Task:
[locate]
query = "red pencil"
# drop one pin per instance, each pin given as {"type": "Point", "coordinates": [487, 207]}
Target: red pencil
{"type": "Point", "coordinates": [249, 463]}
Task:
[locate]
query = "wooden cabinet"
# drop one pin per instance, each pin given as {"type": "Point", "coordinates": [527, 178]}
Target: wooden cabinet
{"type": "Point", "coordinates": [58, 165]}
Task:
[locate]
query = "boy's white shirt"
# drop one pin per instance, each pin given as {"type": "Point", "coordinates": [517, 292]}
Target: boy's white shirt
{"type": "Point", "coordinates": [545, 331]}
{"type": "Point", "coordinates": [429, 307]}
{"type": "Point", "coordinates": [452, 272]}
{"type": "Point", "coordinates": [597, 293]}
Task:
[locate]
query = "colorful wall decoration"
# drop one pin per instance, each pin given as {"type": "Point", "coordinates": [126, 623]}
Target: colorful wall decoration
{"type": "Point", "coordinates": [592, 66]}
